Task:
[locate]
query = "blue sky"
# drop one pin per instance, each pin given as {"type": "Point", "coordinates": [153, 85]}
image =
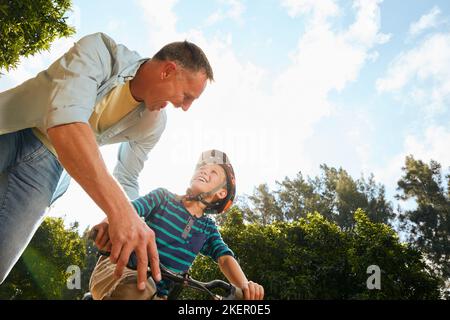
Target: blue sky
{"type": "Point", "coordinates": [353, 84]}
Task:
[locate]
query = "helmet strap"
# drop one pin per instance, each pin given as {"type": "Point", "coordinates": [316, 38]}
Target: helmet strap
{"type": "Point", "coordinates": [201, 196]}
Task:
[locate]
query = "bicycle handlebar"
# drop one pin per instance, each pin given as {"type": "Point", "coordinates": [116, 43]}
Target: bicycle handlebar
{"type": "Point", "coordinates": [183, 279]}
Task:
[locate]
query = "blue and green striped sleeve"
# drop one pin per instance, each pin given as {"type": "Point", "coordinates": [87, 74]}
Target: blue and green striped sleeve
{"type": "Point", "coordinates": [215, 247]}
{"type": "Point", "coordinates": [145, 205]}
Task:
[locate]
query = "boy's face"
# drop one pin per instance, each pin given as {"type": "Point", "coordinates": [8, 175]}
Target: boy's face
{"type": "Point", "coordinates": [208, 177]}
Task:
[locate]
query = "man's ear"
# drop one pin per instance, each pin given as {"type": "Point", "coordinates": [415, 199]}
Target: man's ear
{"type": "Point", "coordinates": [169, 68]}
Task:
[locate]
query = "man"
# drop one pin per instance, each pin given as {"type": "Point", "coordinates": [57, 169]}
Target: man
{"type": "Point", "coordinates": [97, 93]}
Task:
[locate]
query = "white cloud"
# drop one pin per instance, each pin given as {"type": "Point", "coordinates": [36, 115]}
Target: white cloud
{"type": "Point", "coordinates": [424, 72]}
{"type": "Point", "coordinates": [433, 144]}
{"type": "Point", "coordinates": [161, 22]}
{"type": "Point", "coordinates": [320, 10]}
{"type": "Point", "coordinates": [215, 17]}
{"type": "Point", "coordinates": [427, 21]}
{"type": "Point", "coordinates": [358, 137]}
{"type": "Point", "coordinates": [365, 30]}
{"type": "Point", "coordinates": [114, 24]}
{"type": "Point", "coordinates": [327, 60]}
{"type": "Point", "coordinates": [234, 11]}
{"type": "Point", "coordinates": [236, 8]}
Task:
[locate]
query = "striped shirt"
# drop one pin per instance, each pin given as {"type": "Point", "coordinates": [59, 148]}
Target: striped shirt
{"type": "Point", "coordinates": [180, 236]}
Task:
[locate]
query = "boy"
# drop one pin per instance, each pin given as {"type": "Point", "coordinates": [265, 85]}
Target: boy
{"type": "Point", "coordinates": [182, 232]}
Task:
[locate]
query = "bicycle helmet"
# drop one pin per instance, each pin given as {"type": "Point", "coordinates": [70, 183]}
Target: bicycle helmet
{"type": "Point", "coordinates": [220, 158]}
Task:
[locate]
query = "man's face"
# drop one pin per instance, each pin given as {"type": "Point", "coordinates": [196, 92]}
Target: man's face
{"type": "Point", "coordinates": [175, 85]}
{"type": "Point", "coordinates": [208, 177]}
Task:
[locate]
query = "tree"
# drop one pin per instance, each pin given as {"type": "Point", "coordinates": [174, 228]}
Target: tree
{"type": "Point", "coordinates": [41, 273]}
{"type": "Point", "coordinates": [429, 224]}
{"type": "Point", "coordinates": [266, 207]}
{"type": "Point", "coordinates": [346, 195]}
{"type": "Point", "coordinates": [30, 26]}
{"type": "Point", "coordinates": [404, 271]}
{"type": "Point", "coordinates": [296, 197]}
{"type": "Point", "coordinates": [335, 194]}
{"type": "Point", "coordinates": [313, 258]}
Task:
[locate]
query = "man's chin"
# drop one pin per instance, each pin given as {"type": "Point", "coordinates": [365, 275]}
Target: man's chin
{"type": "Point", "coordinates": [153, 108]}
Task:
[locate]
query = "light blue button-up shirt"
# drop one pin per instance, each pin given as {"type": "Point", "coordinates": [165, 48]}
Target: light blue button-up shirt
{"type": "Point", "coordinates": [68, 91]}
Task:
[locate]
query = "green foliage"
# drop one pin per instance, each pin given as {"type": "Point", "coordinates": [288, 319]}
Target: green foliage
{"type": "Point", "coordinates": [313, 258]}
{"type": "Point", "coordinates": [335, 194]}
{"type": "Point", "coordinates": [41, 271]}
{"type": "Point", "coordinates": [429, 224]}
{"type": "Point", "coordinates": [30, 26]}
{"type": "Point", "coordinates": [404, 273]}
{"type": "Point", "coordinates": [86, 268]}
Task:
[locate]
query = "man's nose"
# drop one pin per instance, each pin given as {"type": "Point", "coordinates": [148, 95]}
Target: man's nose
{"type": "Point", "coordinates": [186, 106]}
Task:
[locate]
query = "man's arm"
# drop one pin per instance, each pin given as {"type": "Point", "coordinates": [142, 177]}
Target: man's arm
{"type": "Point", "coordinates": [132, 156]}
{"type": "Point", "coordinates": [233, 272]}
{"type": "Point", "coordinates": [78, 152]}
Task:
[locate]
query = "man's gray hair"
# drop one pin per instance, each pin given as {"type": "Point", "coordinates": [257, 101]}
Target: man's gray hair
{"type": "Point", "coordinates": [188, 55]}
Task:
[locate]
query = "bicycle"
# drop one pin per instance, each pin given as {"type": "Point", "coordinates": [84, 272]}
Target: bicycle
{"type": "Point", "coordinates": [181, 280]}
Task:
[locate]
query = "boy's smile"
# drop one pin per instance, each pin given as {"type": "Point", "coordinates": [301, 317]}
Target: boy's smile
{"type": "Point", "coordinates": [210, 174]}
{"type": "Point", "coordinates": [202, 179]}
{"type": "Point", "coordinates": [208, 177]}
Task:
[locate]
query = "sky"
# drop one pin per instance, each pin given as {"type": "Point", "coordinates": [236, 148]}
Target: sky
{"type": "Point", "coordinates": [298, 83]}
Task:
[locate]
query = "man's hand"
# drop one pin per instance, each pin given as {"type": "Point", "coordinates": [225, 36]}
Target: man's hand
{"type": "Point", "coordinates": [132, 234]}
{"type": "Point", "coordinates": [102, 240]}
{"type": "Point", "coordinates": [253, 291]}
{"type": "Point", "coordinates": [79, 154]}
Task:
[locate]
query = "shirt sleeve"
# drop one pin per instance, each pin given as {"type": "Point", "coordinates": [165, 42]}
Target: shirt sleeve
{"type": "Point", "coordinates": [75, 78]}
{"type": "Point", "coordinates": [145, 205]}
{"type": "Point", "coordinates": [215, 247]}
{"type": "Point", "coordinates": [131, 158]}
